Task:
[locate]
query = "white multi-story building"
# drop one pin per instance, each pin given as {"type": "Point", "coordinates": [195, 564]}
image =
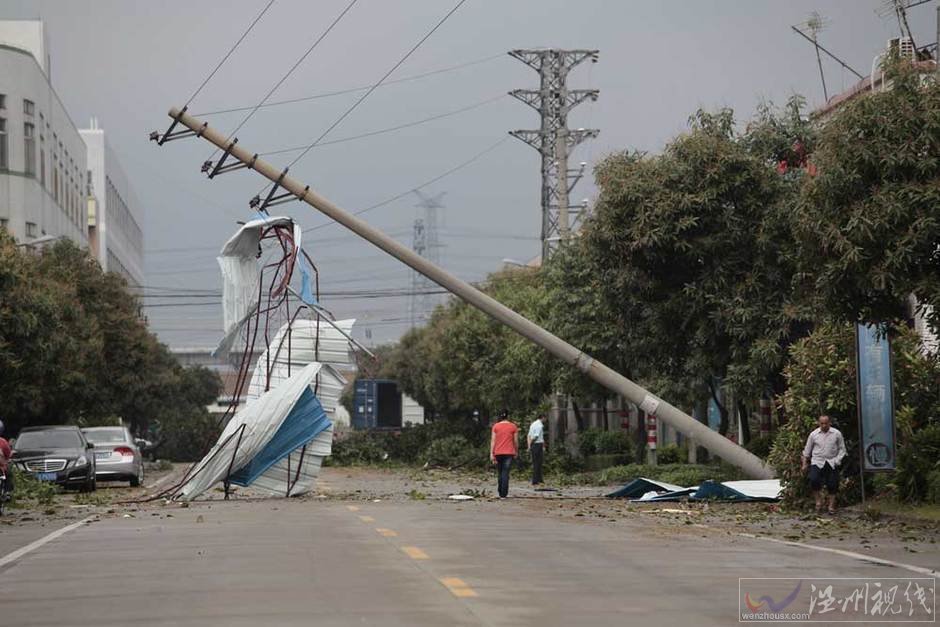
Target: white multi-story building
{"type": "Point", "coordinates": [114, 231]}
{"type": "Point", "coordinates": [43, 190]}
{"type": "Point", "coordinates": [56, 180]}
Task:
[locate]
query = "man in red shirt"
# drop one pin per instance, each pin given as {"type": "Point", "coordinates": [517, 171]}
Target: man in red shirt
{"type": "Point", "coordinates": [504, 445]}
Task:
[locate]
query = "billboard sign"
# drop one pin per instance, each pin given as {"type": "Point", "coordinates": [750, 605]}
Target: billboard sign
{"type": "Point", "coordinates": [875, 398]}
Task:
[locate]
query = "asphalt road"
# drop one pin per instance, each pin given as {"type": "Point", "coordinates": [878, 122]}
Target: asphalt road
{"type": "Point", "coordinates": [422, 562]}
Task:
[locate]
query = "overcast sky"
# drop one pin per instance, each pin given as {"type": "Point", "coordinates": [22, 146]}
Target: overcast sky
{"type": "Point", "coordinates": [127, 61]}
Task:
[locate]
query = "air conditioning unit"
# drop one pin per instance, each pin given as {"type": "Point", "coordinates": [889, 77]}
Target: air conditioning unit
{"type": "Point", "coordinates": [902, 46]}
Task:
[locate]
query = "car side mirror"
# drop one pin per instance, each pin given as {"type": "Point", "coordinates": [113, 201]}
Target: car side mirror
{"type": "Point", "coordinates": [90, 445]}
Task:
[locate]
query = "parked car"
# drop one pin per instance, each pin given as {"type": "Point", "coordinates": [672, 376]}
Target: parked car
{"type": "Point", "coordinates": [117, 455]}
{"type": "Point", "coordinates": [60, 454]}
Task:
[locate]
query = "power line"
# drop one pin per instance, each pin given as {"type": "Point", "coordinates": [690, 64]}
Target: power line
{"type": "Point", "coordinates": [374, 87]}
{"type": "Point", "coordinates": [390, 129]}
{"type": "Point", "coordinates": [291, 70]}
{"type": "Point", "coordinates": [231, 50]}
{"type": "Point", "coordinates": [350, 295]}
{"type": "Point", "coordinates": [352, 90]}
{"type": "Point", "coordinates": [430, 181]}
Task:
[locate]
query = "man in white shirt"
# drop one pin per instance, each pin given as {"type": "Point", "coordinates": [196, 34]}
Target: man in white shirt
{"type": "Point", "coordinates": [536, 440]}
{"type": "Point", "coordinates": [824, 451]}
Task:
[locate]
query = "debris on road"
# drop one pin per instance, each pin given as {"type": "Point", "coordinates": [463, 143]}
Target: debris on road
{"type": "Point", "coordinates": [276, 442]}
{"type": "Point", "coordinates": [643, 490]}
{"type": "Point", "coordinates": [460, 497]}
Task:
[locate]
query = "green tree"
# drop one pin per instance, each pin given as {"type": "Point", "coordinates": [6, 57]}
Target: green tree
{"type": "Point", "coordinates": [692, 245]}
{"type": "Point", "coordinates": [74, 350]}
{"type": "Point", "coordinates": [868, 225]}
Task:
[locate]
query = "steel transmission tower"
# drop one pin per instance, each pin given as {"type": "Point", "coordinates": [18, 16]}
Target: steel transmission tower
{"type": "Point", "coordinates": [425, 242]}
{"type": "Point", "coordinates": [554, 140]}
{"type": "Point", "coordinates": [418, 281]}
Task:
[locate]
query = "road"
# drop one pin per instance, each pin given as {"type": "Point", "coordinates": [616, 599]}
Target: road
{"type": "Point", "coordinates": [344, 561]}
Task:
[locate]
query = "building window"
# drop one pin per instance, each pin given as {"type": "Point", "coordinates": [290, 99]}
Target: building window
{"type": "Point", "coordinates": [4, 151]}
{"type": "Point", "coordinates": [29, 108]}
{"type": "Point", "coordinates": [29, 149]}
{"type": "Point", "coordinates": [3, 101]}
{"type": "Point", "coordinates": [3, 223]}
{"type": "Point", "coordinates": [30, 229]}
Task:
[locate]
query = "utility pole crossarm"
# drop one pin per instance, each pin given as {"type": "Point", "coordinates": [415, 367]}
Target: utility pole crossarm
{"type": "Point", "coordinates": [531, 97]}
{"type": "Point", "coordinates": [597, 371]}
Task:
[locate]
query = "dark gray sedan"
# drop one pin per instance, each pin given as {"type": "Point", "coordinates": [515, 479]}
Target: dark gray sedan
{"type": "Point", "coordinates": [117, 457]}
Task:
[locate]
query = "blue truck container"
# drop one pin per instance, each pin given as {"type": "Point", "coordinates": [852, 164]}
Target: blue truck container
{"type": "Point", "coordinates": [376, 404]}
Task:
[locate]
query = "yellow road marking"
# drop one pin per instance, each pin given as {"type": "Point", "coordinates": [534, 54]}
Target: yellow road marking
{"type": "Point", "coordinates": [458, 587]}
{"type": "Point", "coordinates": [367, 519]}
{"type": "Point", "coordinates": [388, 533]}
{"type": "Point", "coordinates": [352, 508]}
{"type": "Point", "coordinates": [415, 553]}
{"type": "Point", "coordinates": [464, 592]}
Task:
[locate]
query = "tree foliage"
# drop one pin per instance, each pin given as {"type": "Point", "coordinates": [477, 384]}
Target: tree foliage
{"type": "Point", "coordinates": [868, 226]}
{"type": "Point", "coordinates": [73, 348]}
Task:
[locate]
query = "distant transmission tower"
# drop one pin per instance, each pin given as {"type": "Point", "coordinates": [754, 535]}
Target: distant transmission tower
{"type": "Point", "coordinates": [418, 281]}
{"type": "Point", "coordinates": [425, 242]}
{"type": "Point", "coordinates": [554, 140]}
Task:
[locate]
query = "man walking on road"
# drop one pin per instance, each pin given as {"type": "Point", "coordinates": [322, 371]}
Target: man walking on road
{"type": "Point", "coordinates": [824, 451]}
{"type": "Point", "coordinates": [504, 444]}
{"type": "Point", "coordinates": [536, 442]}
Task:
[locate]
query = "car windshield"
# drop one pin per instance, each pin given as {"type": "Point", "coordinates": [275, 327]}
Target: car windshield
{"type": "Point", "coordinates": [106, 436]}
{"type": "Point", "coordinates": [54, 438]}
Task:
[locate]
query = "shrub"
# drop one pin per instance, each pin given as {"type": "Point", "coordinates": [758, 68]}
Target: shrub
{"type": "Point", "coordinates": [613, 443]}
{"type": "Point", "coordinates": [600, 442]}
{"type": "Point", "coordinates": [449, 451]}
{"type": "Point", "coordinates": [933, 487]}
{"type": "Point", "coordinates": [28, 489]}
{"type": "Point", "coordinates": [358, 447]}
{"type": "Point", "coordinates": [919, 466]}
{"type": "Point", "coordinates": [760, 445]}
{"type": "Point", "coordinates": [561, 463]}
{"type": "Point", "coordinates": [678, 474]}
{"type": "Point", "coordinates": [821, 379]}
{"type": "Point", "coordinates": [669, 454]}
{"type": "Point", "coordinates": [587, 441]}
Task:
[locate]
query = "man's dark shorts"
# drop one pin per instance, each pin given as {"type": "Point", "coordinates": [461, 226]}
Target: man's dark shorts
{"type": "Point", "coordinates": [825, 476]}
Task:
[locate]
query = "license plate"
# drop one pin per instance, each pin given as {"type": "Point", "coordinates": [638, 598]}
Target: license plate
{"type": "Point", "coordinates": [46, 476]}
{"type": "Point", "coordinates": [102, 455]}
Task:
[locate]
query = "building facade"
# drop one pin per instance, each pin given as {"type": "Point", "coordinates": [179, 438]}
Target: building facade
{"type": "Point", "coordinates": [57, 181]}
{"type": "Point", "coordinates": [114, 232]}
{"type": "Point", "coordinates": [43, 159]}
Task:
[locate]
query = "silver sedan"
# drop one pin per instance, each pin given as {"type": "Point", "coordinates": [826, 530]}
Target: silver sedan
{"type": "Point", "coordinates": [117, 457]}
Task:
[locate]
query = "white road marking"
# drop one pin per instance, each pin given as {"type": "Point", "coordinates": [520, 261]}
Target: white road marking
{"type": "Point", "coordinates": [9, 558]}
{"type": "Point", "coordinates": [859, 556]}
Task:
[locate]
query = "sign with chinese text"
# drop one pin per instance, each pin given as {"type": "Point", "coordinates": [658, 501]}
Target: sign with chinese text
{"type": "Point", "coordinates": [875, 398]}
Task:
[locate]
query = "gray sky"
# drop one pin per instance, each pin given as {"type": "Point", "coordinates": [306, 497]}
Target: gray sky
{"type": "Point", "coordinates": [128, 61]}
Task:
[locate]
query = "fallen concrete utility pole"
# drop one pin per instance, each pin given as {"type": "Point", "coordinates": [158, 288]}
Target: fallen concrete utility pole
{"type": "Point", "coordinates": [613, 381]}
